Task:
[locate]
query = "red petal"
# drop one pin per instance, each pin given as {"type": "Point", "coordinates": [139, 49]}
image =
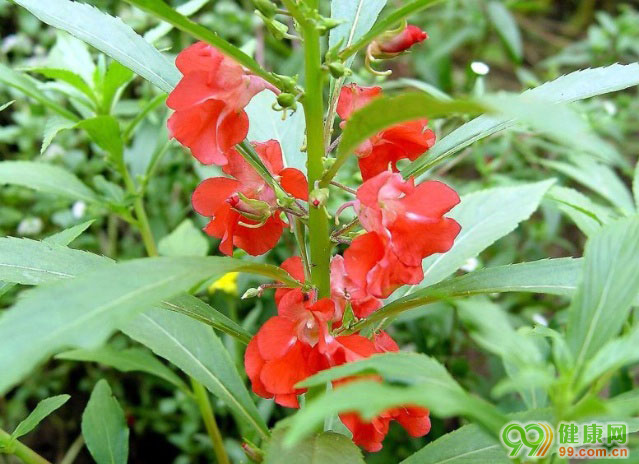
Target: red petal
{"type": "Point", "coordinates": [413, 241]}
{"type": "Point", "coordinates": [415, 420]}
{"type": "Point", "coordinates": [295, 268]}
{"type": "Point", "coordinates": [431, 199]}
{"type": "Point", "coordinates": [253, 364]}
{"type": "Point", "coordinates": [294, 181]}
{"type": "Point", "coordinates": [353, 97]}
{"type": "Point", "coordinates": [195, 128]}
{"type": "Point", "coordinates": [223, 227]}
{"type": "Point", "coordinates": [271, 154]}
{"type": "Point", "coordinates": [280, 375]}
{"type": "Point", "coordinates": [368, 435]}
{"type": "Point", "coordinates": [198, 57]}
{"type": "Point", "coordinates": [232, 128]}
{"type": "Point", "coordinates": [258, 241]}
{"type": "Point", "coordinates": [384, 343]}
{"type": "Point", "coordinates": [212, 193]}
{"type": "Point", "coordinates": [288, 400]}
{"type": "Point", "coordinates": [363, 254]}
{"type": "Point", "coordinates": [276, 337]}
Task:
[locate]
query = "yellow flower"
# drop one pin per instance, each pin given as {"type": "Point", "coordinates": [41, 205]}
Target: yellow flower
{"type": "Point", "coordinates": [227, 284]}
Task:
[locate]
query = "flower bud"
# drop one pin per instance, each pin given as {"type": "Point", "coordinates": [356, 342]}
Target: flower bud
{"type": "Point", "coordinates": [251, 293]}
{"type": "Point", "coordinates": [266, 7]}
{"type": "Point", "coordinates": [286, 100]}
{"type": "Point", "coordinates": [392, 43]}
{"type": "Point", "coordinates": [276, 28]}
{"type": "Point", "coordinates": [318, 197]}
{"type": "Point", "coordinates": [338, 69]}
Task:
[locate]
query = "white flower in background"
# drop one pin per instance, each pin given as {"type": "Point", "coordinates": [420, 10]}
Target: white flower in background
{"type": "Point", "coordinates": [480, 68]}
{"type": "Point", "coordinates": [78, 209]}
{"type": "Point", "coordinates": [470, 265]}
{"type": "Point", "coordinates": [610, 107]}
{"type": "Point", "coordinates": [539, 319]}
{"type": "Point", "coordinates": [30, 226]}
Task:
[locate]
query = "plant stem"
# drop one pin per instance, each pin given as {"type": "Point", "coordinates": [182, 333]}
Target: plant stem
{"type": "Point", "coordinates": [19, 450]}
{"type": "Point", "coordinates": [140, 215]}
{"type": "Point", "coordinates": [73, 451]}
{"type": "Point", "coordinates": [206, 410]}
{"type": "Point", "coordinates": [314, 112]}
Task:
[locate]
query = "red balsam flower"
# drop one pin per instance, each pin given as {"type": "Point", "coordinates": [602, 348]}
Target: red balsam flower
{"type": "Point", "coordinates": [405, 224]}
{"type": "Point", "coordinates": [254, 226]}
{"type": "Point", "coordinates": [403, 141]}
{"type": "Point", "coordinates": [370, 434]}
{"type": "Point", "coordinates": [285, 350]}
{"type": "Point", "coordinates": [209, 102]}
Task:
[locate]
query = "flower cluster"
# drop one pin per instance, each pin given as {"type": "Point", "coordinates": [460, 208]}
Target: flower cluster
{"type": "Point", "coordinates": [401, 224]}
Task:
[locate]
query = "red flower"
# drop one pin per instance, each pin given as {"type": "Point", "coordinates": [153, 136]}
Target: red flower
{"type": "Point", "coordinates": [284, 351]}
{"type": "Point", "coordinates": [407, 140]}
{"type": "Point", "coordinates": [346, 290]}
{"type": "Point", "coordinates": [343, 289]}
{"type": "Point", "coordinates": [372, 264]}
{"type": "Point", "coordinates": [411, 216]}
{"type": "Point", "coordinates": [390, 45]}
{"type": "Point", "coordinates": [209, 102]}
{"type": "Point", "coordinates": [370, 434]}
{"type": "Point", "coordinates": [255, 225]}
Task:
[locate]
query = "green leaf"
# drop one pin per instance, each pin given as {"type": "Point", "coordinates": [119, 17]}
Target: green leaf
{"type": "Point", "coordinates": [67, 76]}
{"type": "Point", "coordinates": [485, 217]}
{"type": "Point", "coordinates": [52, 127]}
{"type": "Point", "coordinates": [45, 178]}
{"type": "Point", "coordinates": [267, 124]}
{"type": "Point", "coordinates": [387, 111]}
{"type": "Point", "coordinates": [185, 240]}
{"type": "Point", "coordinates": [82, 312]}
{"type": "Point", "coordinates": [553, 276]}
{"type": "Point", "coordinates": [358, 17]}
{"type": "Point", "coordinates": [429, 385]}
{"type": "Point", "coordinates": [195, 308]}
{"type": "Point", "coordinates": [507, 29]}
{"type": "Point", "coordinates": [609, 286]}
{"type": "Point", "coordinates": [196, 350]}
{"type": "Point", "coordinates": [611, 357]}
{"type": "Point", "coordinates": [586, 214]}
{"type": "Point", "coordinates": [28, 86]}
{"type": "Point", "coordinates": [467, 445]}
{"type": "Point", "coordinates": [105, 132]}
{"type": "Point", "coordinates": [115, 78]}
{"type": "Point", "coordinates": [490, 328]}
{"type": "Point", "coordinates": [161, 10]}
{"type": "Point", "coordinates": [66, 236]}
{"type": "Point", "coordinates": [109, 35]}
{"type": "Point", "coordinates": [471, 445]}
{"type": "Point", "coordinates": [72, 54]}
{"type": "Point", "coordinates": [30, 262]}
{"type": "Point", "coordinates": [187, 9]}
{"type": "Point", "coordinates": [42, 410]}
{"type": "Point", "coordinates": [599, 178]}
{"type": "Point", "coordinates": [104, 427]}
{"type": "Point", "coordinates": [128, 360]}
{"type": "Point", "coordinates": [322, 448]}
{"type": "Point", "coordinates": [557, 121]}
{"type": "Point", "coordinates": [575, 86]}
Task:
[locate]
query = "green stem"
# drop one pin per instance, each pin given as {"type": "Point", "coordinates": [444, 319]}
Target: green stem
{"type": "Point", "coordinates": [140, 214]}
{"type": "Point", "coordinates": [73, 451]}
{"type": "Point", "coordinates": [206, 410]}
{"type": "Point", "coordinates": [319, 235]}
{"type": "Point", "coordinates": [19, 450]}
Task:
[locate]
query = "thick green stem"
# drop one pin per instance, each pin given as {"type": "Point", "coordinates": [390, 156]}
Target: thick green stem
{"type": "Point", "coordinates": [319, 238]}
{"type": "Point", "coordinates": [206, 410]}
{"type": "Point", "coordinates": [14, 447]}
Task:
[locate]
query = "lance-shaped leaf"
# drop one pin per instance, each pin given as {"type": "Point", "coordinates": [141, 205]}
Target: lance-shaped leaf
{"type": "Point", "coordinates": [553, 276]}
{"type": "Point", "coordinates": [104, 428]}
{"type": "Point", "coordinates": [46, 178]}
{"type": "Point", "coordinates": [428, 385]}
{"type": "Point", "coordinates": [109, 35]}
{"type": "Point", "coordinates": [42, 410]}
{"type": "Point", "coordinates": [571, 87]}
{"type": "Point", "coordinates": [608, 288]}
{"type": "Point", "coordinates": [82, 312]}
{"type": "Point", "coordinates": [128, 360]}
{"type": "Point", "coordinates": [194, 348]}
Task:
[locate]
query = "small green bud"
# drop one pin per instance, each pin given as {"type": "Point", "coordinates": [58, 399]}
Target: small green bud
{"type": "Point", "coordinates": [286, 100]}
{"type": "Point", "coordinates": [338, 69]}
{"type": "Point", "coordinates": [276, 28]}
{"type": "Point", "coordinates": [266, 7]}
{"type": "Point", "coordinates": [318, 197]}
{"type": "Point", "coordinates": [251, 293]}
